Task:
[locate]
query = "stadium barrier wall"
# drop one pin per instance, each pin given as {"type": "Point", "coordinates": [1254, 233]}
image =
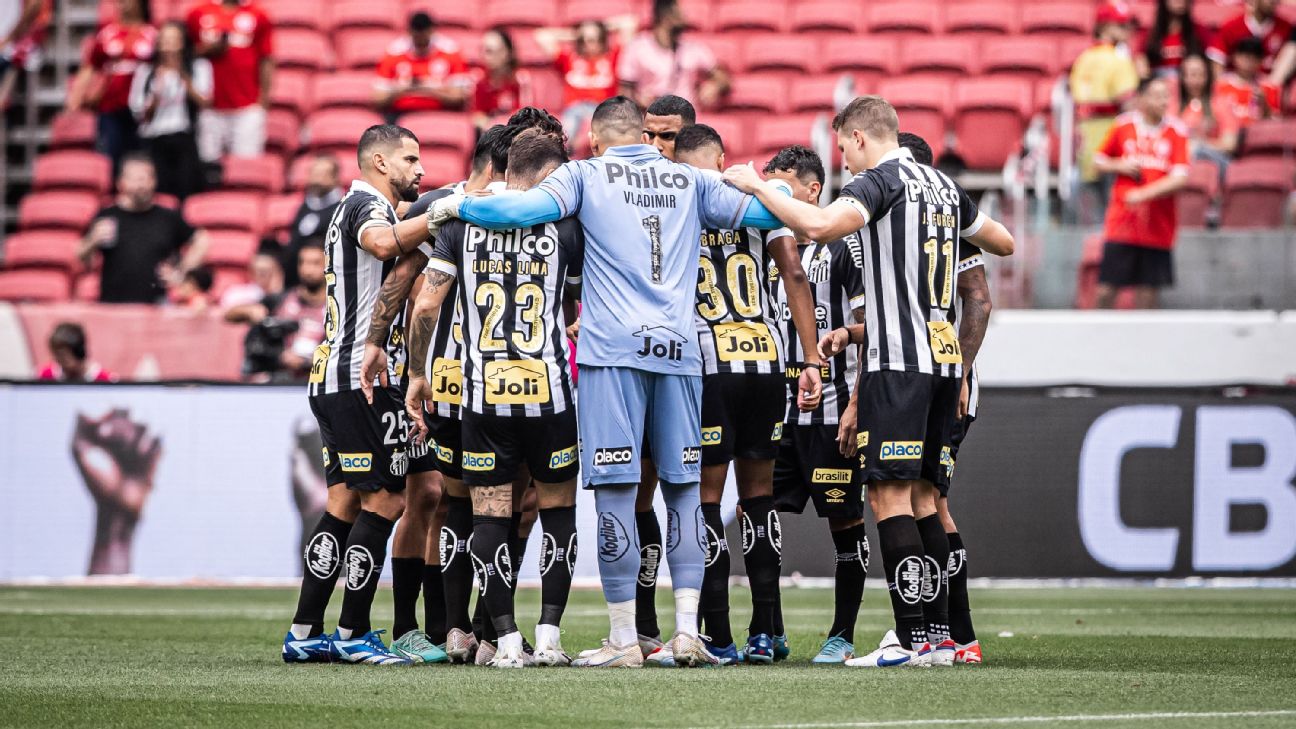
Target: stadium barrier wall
{"type": "Point", "coordinates": [1056, 483]}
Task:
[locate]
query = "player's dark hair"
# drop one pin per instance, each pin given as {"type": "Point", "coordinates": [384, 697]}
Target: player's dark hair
{"type": "Point", "coordinates": [70, 336]}
{"type": "Point", "coordinates": [917, 146]}
{"type": "Point", "coordinates": [1249, 46]}
{"type": "Point", "coordinates": [201, 277]}
{"type": "Point", "coordinates": [801, 161]}
{"type": "Point", "coordinates": [620, 113]}
{"type": "Point", "coordinates": [484, 152]}
{"type": "Point", "coordinates": [695, 137]}
{"type": "Point", "coordinates": [872, 115]}
{"type": "Point", "coordinates": [384, 135]}
{"type": "Point", "coordinates": [534, 117]}
{"type": "Point", "coordinates": [672, 105]}
{"type": "Point", "coordinates": [533, 150]}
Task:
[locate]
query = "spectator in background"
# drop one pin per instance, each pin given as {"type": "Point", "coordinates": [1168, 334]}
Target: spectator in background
{"type": "Point", "coordinates": [1259, 20]}
{"type": "Point", "coordinates": [323, 193]}
{"type": "Point", "coordinates": [1251, 96]}
{"type": "Point", "coordinates": [1207, 116]}
{"type": "Point", "coordinates": [1102, 78]}
{"type": "Point", "coordinates": [288, 326]}
{"type": "Point", "coordinates": [499, 86]}
{"type": "Point", "coordinates": [663, 121]}
{"type": "Point", "coordinates": [587, 60]}
{"type": "Point", "coordinates": [67, 345]}
{"type": "Point", "coordinates": [1285, 63]}
{"type": "Point", "coordinates": [166, 97]}
{"type": "Point", "coordinates": [236, 36]}
{"type": "Point", "coordinates": [20, 48]}
{"type": "Point", "coordinates": [425, 72]}
{"type": "Point", "coordinates": [137, 238]}
{"type": "Point", "coordinates": [193, 291]}
{"type": "Point", "coordinates": [1147, 151]}
{"type": "Point", "coordinates": [1174, 36]}
{"type": "Point", "coordinates": [660, 61]}
{"type": "Point", "coordinates": [265, 278]}
{"type": "Point", "coordinates": [104, 80]}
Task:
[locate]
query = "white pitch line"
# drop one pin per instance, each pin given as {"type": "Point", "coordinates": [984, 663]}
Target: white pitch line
{"type": "Point", "coordinates": [1000, 720]}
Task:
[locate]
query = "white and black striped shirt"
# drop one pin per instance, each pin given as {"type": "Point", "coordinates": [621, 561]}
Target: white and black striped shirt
{"type": "Point", "coordinates": [837, 289]}
{"type": "Point", "coordinates": [510, 286]}
{"type": "Point", "coordinates": [915, 216]}
{"type": "Point", "coordinates": [737, 324]}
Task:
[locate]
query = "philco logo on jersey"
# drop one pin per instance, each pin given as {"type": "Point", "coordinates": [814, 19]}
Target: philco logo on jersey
{"type": "Point", "coordinates": [612, 456]}
{"type": "Point", "coordinates": [662, 343]}
{"type": "Point", "coordinates": [830, 475]}
{"type": "Point", "coordinates": [478, 461]}
{"type": "Point", "coordinates": [930, 193]}
{"type": "Point", "coordinates": [356, 462]}
{"type": "Point", "coordinates": [691, 456]}
{"type": "Point", "coordinates": [443, 454]}
{"type": "Point", "coordinates": [447, 381]}
{"type": "Point", "coordinates": [561, 458]}
{"type": "Point", "coordinates": [516, 382]}
{"type": "Point", "coordinates": [745, 342]}
{"type": "Point", "coordinates": [646, 178]}
{"type": "Point", "coordinates": [711, 436]}
{"type": "Point", "coordinates": [901, 450]}
{"type": "Point", "coordinates": [515, 240]}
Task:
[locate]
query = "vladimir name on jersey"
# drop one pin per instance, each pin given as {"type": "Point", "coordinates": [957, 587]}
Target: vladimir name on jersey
{"type": "Point", "coordinates": [737, 324]}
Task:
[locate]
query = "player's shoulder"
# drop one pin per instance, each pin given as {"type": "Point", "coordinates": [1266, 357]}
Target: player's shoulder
{"type": "Point", "coordinates": [569, 228]}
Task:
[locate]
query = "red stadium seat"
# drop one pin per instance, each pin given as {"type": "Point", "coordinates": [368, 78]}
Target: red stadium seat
{"type": "Point", "coordinates": [86, 287]}
{"type": "Point", "coordinates": [264, 173]}
{"type": "Point", "coordinates": [302, 48]}
{"type": "Point", "coordinates": [43, 249]}
{"type": "Point", "coordinates": [446, 15]}
{"type": "Point", "coordinates": [225, 210]}
{"type": "Point", "coordinates": [224, 279]}
{"type": "Point", "coordinates": [923, 104]}
{"type": "Point", "coordinates": [1256, 191]}
{"type": "Point", "coordinates": [1023, 57]}
{"type": "Point", "coordinates": [757, 92]}
{"type": "Point", "coordinates": [1058, 18]}
{"type": "Point", "coordinates": [293, 14]}
{"type": "Point", "coordinates": [733, 132]}
{"type": "Point", "coordinates": [772, 134]}
{"type": "Point", "coordinates": [354, 89]}
{"type": "Point", "coordinates": [1044, 92]}
{"type": "Point", "coordinates": [998, 18]}
{"type": "Point", "coordinates": [518, 14]}
{"type": "Point", "coordinates": [361, 49]}
{"type": "Point", "coordinates": [1195, 199]}
{"type": "Point", "coordinates": [384, 14]}
{"type": "Point", "coordinates": [576, 11]}
{"type": "Point", "coordinates": [813, 93]}
{"type": "Point", "coordinates": [290, 90]}
{"type": "Point", "coordinates": [947, 55]}
{"type": "Point", "coordinates": [338, 127]}
{"type": "Point", "coordinates": [443, 129]}
{"type": "Point", "coordinates": [739, 15]}
{"type": "Point", "coordinates": [280, 211]}
{"type": "Point", "coordinates": [230, 248]}
{"type": "Point", "coordinates": [1275, 137]}
{"type": "Point", "coordinates": [529, 52]}
{"type": "Point", "coordinates": [871, 56]}
{"type": "Point", "coordinates": [727, 49]}
{"type": "Point", "coordinates": [443, 167]}
{"type": "Point", "coordinates": [818, 16]}
{"type": "Point", "coordinates": [348, 168]}
{"type": "Point", "coordinates": [1213, 15]}
{"type": "Point", "coordinates": [774, 52]}
{"type": "Point", "coordinates": [283, 132]}
{"type": "Point", "coordinates": [547, 88]}
{"type": "Point", "coordinates": [73, 130]}
{"type": "Point", "coordinates": [72, 170]}
{"type": "Point", "coordinates": [37, 285]}
{"type": "Point", "coordinates": [697, 13]}
{"type": "Point", "coordinates": [64, 210]}
{"type": "Point", "coordinates": [989, 119]}
{"type": "Point", "coordinates": [902, 17]}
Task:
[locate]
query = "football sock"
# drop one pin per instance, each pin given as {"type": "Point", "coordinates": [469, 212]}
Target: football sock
{"type": "Point", "coordinates": [516, 543]}
{"type": "Point", "coordinates": [778, 620]}
{"type": "Point", "coordinates": [490, 551]}
{"type": "Point", "coordinates": [685, 550]}
{"type": "Point", "coordinates": [762, 553]}
{"type": "Point", "coordinates": [960, 611]}
{"type": "Point", "coordinates": [852, 549]}
{"type": "Point", "coordinates": [481, 625]}
{"type": "Point", "coordinates": [715, 578]}
{"type": "Point", "coordinates": [456, 562]}
{"type": "Point", "coordinates": [936, 546]}
{"type": "Point", "coordinates": [363, 561]}
{"type": "Point", "coordinates": [686, 610]}
{"type": "Point", "coordinates": [650, 556]}
{"type": "Point", "coordinates": [557, 560]}
{"type": "Point", "coordinates": [618, 558]}
{"type": "Point", "coordinates": [622, 618]}
{"type": "Point", "coordinates": [434, 606]}
{"type": "Point", "coordinates": [902, 558]}
{"type": "Point", "coordinates": [407, 581]}
{"type": "Point", "coordinates": [320, 563]}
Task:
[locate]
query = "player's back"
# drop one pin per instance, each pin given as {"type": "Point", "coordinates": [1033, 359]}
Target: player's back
{"type": "Point", "coordinates": [737, 324]}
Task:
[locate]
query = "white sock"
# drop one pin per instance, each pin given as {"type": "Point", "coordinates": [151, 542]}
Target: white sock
{"type": "Point", "coordinates": [299, 631]}
{"type": "Point", "coordinates": [344, 633]}
{"type": "Point", "coordinates": [547, 636]}
{"type": "Point", "coordinates": [622, 616]}
{"type": "Point", "coordinates": [686, 611]}
{"type": "Point", "coordinates": [510, 644]}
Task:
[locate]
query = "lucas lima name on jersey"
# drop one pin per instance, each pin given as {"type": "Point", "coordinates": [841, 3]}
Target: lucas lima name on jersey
{"type": "Point", "coordinates": [737, 324]}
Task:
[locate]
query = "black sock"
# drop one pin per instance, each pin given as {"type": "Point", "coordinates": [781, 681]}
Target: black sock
{"type": "Point", "coordinates": [848, 591]}
{"type": "Point", "coordinates": [456, 562]}
{"type": "Point", "coordinates": [490, 551]}
{"type": "Point", "coordinates": [960, 611]}
{"type": "Point", "coordinates": [407, 580]}
{"type": "Point", "coordinates": [320, 563]}
{"type": "Point", "coordinates": [762, 553]}
{"type": "Point", "coordinates": [650, 556]}
{"type": "Point", "coordinates": [936, 547]}
{"type": "Point", "coordinates": [714, 606]}
{"type": "Point", "coordinates": [363, 562]}
{"type": "Point", "coordinates": [434, 606]}
{"type": "Point", "coordinates": [557, 560]}
{"type": "Point", "coordinates": [481, 624]}
{"type": "Point", "coordinates": [778, 620]}
{"type": "Point", "coordinates": [902, 558]}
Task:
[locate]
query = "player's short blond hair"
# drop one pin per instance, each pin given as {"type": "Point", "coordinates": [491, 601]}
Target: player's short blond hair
{"type": "Point", "coordinates": [872, 115]}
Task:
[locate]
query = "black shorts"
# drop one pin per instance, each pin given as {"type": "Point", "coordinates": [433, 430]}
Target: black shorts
{"type": "Point", "coordinates": [905, 423]}
{"type": "Point", "coordinates": [495, 446]}
{"type": "Point", "coordinates": [956, 439]}
{"type": "Point", "coordinates": [445, 443]}
{"type": "Point", "coordinates": [364, 445]}
{"type": "Point", "coordinates": [810, 466]}
{"type": "Point", "coordinates": [1130, 265]}
{"type": "Point", "coordinates": [742, 416]}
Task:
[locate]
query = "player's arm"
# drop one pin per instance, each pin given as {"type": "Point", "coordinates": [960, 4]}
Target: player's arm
{"type": "Point", "coordinates": [437, 284]}
{"type": "Point", "coordinates": [848, 421]}
{"type": "Point", "coordinates": [990, 236]}
{"type": "Point", "coordinates": [801, 303]}
{"type": "Point", "coordinates": [811, 221]}
{"type": "Point", "coordinates": [497, 212]}
{"type": "Point", "coordinates": [386, 241]}
{"type": "Point", "coordinates": [974, 292]}
{"type": "Point", "coordinates": [395, 292]}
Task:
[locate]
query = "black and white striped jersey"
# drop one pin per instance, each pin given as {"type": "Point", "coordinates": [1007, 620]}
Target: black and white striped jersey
{"type": "Point", "coordinates": [737, 324]}
{"type": "Point", "coordinates": [444, 373]}
{"type": "Point", "coordinates": [838, 290]}
{"type": "Point", "coordinates": [510, 286]}
{"type": "Point", "coordinates": [909, 247]}
{"type": "Point", "coordinates": [353, 277]}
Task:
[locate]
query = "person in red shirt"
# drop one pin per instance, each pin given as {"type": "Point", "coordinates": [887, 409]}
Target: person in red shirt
{"type": "Point", "coordinates": [587, 59]}
{"type": "Point", "coordinates": [1252, 97]}
{"type": "Point", "coordinates": [1173, 35]}
{"type": "Point", "coordinates": [424, 72]}
{"type": "Point", "coordinates": [1259, 20]}
{"type": "Point", "coordinates": [103, 82]}
{"type": "Point", "coordinates": [1147, 151]}
{"type": "Point", "coordinates": [236, 36]}
{"type": "Point", "coordinates": [499, 86]}
{"type": "Point", "coordinates": [20, 47]}
{"type": "Point", "coordinates": [67, 345]}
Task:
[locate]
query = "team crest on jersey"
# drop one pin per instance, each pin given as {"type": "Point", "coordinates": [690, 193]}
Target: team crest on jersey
{"type": "Point", "coordinates": [820, 267]}
{"type": "Point", "coordinates": [359, 567]}
{"type": "Point", "coordinates": [777, 433]}
{"type": "Point", "coordinates": [908, 580]}
{"type": "Point", "coordinates": [322, 555]}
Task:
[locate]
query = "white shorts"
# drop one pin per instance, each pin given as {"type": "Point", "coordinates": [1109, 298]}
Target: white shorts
{"type": "Point", "coordinates": [237, 132]}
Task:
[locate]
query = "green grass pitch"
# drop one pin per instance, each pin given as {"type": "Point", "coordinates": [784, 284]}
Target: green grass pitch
{"type": "Point", "coordinates": [100, 657]}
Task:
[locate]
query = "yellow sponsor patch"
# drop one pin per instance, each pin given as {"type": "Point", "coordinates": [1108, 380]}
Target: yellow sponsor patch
{"type": "Point", "coordinates": [326, 457]}
{"type": "Point", "coordinates": [944, 343]}
{"type": "Point", "coordinates": [901, 450]}
{"type": "Point", "coordinates": [478, 461]}
{"type": "Point", "coordinates": [517, 382]}
{"type": "Point", "coordinates": [443, 454]}
{"type": "Point", "coordinates": [711, 436]}
{"type": "Point", "coordinates": [778, 432]}
{"type": "Point", "coordinates": [564, 457]}
{"type": "Point", "coordinates": [447, 381]}
{"type": "Point", "coordinates": [319, 362]}
{"type": "Point", "coordinates": [356, 462]}
{"type": "Point", "coordinates": [861, 439]}
{"type": "Point", "coordinates": [830, 475]}
{"type": "Point", "coordinates": [745, 341]}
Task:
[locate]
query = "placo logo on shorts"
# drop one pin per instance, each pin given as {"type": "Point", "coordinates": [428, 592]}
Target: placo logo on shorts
{"type": "Point", "coordinates": [711, 436]}
{"type": "Point", "coordinates": [661, 343]}
{"type": "Point", "coordinates": [356, 462]}
{"type": "Point", "coordinates": [947, 460]}
{"type": "Point", "coordinates": [613, 456]}
{"type": "Point", "coordinates": [691, 456]}
{"type": "Point", "coordinates": [564, 457]}
{"type": "Point", "coordinates": [901, 450]}
{"type": "Point", "coordinates": [443, 454]}
{"type": "Point", "coordinates": [326, 457]}
{"type": "Point", "coordinates": [830, 475]}
{"type": "Point", "coordinates": [478, 461]}
{"type": "Point", "coordinates": [778, 432]}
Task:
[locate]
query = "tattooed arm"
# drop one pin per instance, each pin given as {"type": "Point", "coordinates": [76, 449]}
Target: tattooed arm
{"type": "Point", "coordinates": [391, 302]}
{"type": "Point", "coordinates": [974, 292]}
{"type": "Point", "coordinates": [437, 286]}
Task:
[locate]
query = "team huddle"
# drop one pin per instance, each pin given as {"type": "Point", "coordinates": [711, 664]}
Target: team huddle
{"type": "Point", "coordinates": [720, 318]}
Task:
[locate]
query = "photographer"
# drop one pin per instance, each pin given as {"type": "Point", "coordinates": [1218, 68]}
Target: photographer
{"type": "Point", "coordinates": [287, 327]}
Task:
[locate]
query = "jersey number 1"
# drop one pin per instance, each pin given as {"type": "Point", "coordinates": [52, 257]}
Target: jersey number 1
{"type": "Point", "coordinates": [947, 284]}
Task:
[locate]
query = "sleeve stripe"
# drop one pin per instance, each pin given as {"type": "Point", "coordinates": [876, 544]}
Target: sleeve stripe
{"type": "Point", "coordinates": [970, 263]}
{"type": "Point", "coordinates": [859, 302]}
{"type": "Point", "coordinates": [574, 280]}
{"type": "Point", "coordinates": [859, 208]}
{"type": "Point", "coordinates": [562, 204]}
{"type": "Point", "coordinates": [370, 224]}
{"type": "Point", "coordinates": [442, 265]}
{"type": "Point", "coordinates": [975, 227]}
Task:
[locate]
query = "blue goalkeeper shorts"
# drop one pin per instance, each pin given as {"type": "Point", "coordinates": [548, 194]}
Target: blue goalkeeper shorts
{"type": "Point", "coordinates": [618, 406]}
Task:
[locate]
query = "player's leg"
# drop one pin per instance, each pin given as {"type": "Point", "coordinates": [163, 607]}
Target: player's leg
{"type": "Point", "coordinates": [650, 556]}
{"type": "Point", "coordinates": [714, 601]}
{"type": "Point", "coordinates": [445, 441]}
{"type": "Point", "coordinates": [968, 648]}
{"type": "Point", "coordinates": [551, 455]}
{"type": "Point", "coordinates": [937, 468]}
{"type": "Point", "coordinates": [850, 544]}
{"type": "Point", "coordinates": [434, 606]}
{"type": "Point", "coordinates": [306, 641]}
{"type": "Point", "coordinates": [525, 512]}
{"type": "Point", "coordinates": [409, 545]}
